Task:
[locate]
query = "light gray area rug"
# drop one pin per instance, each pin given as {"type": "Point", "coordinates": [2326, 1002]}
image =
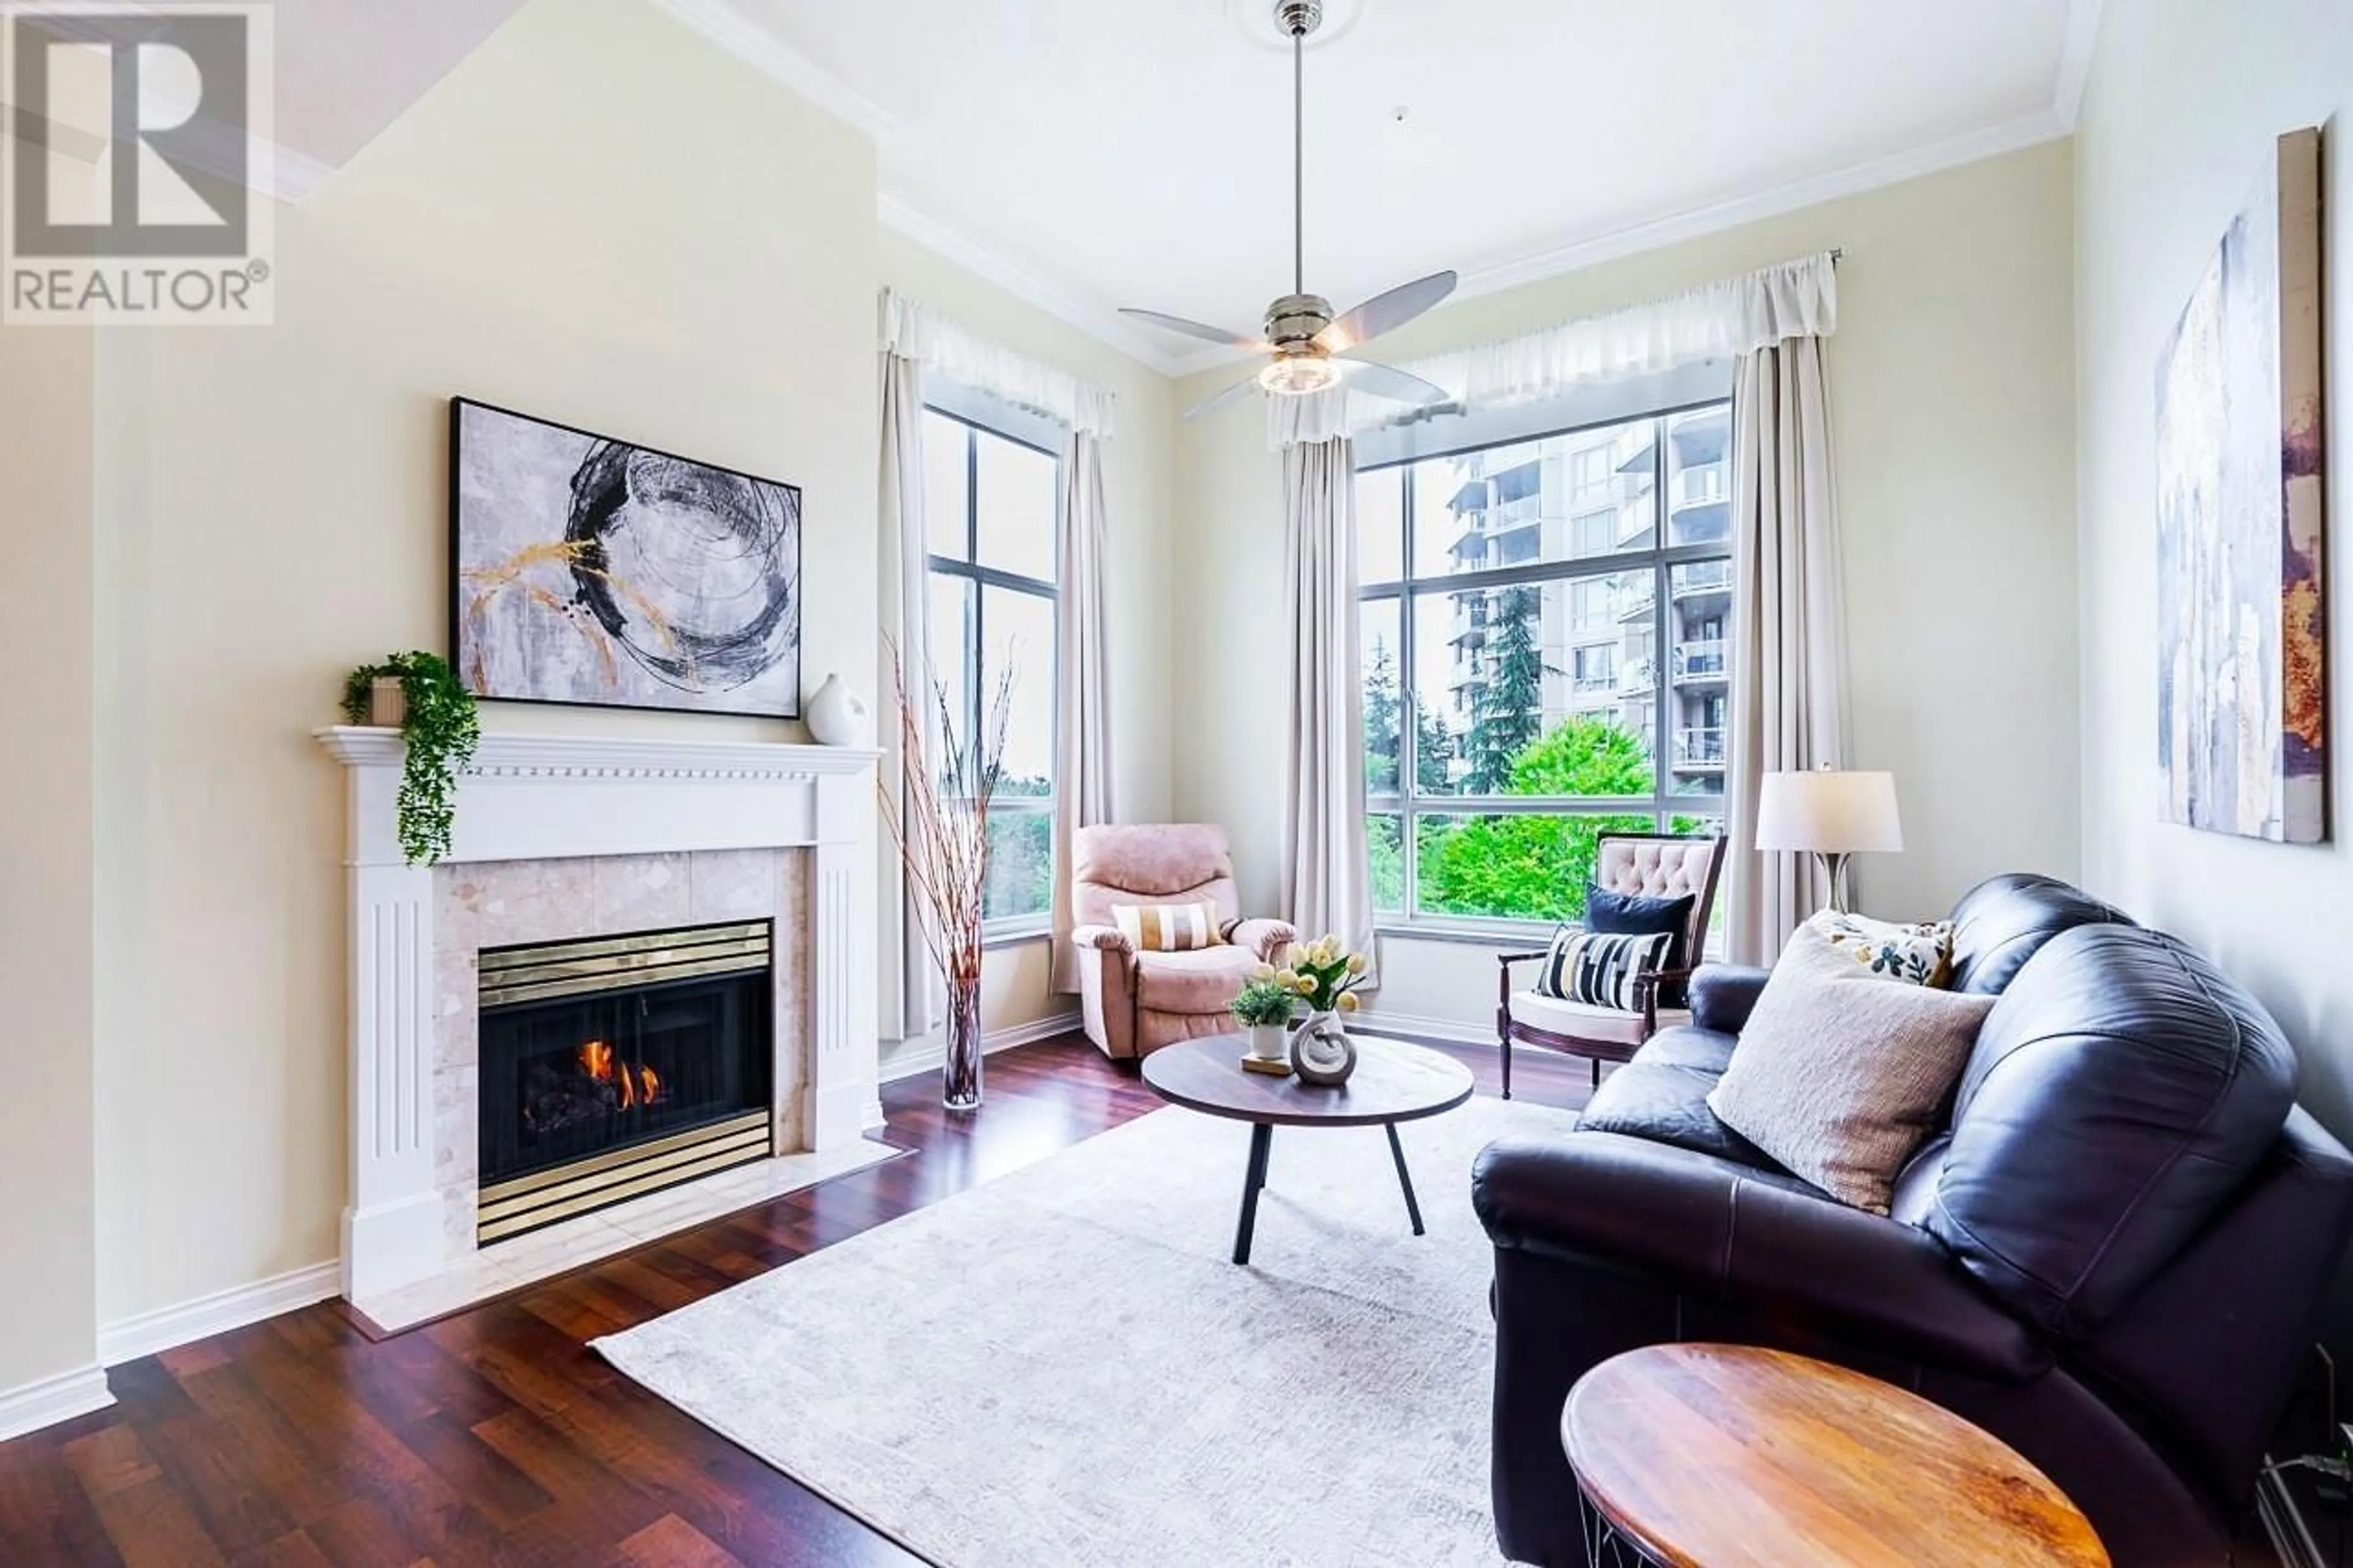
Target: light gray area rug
{"type": "Point", "coordinates": [1064, 1366]}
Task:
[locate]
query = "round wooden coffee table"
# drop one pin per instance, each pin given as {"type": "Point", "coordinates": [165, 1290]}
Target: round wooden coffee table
{"type": "Point", "coordinates": [1393, 1082]}
{"type": "Point", "coordinates": [1722, 1456]}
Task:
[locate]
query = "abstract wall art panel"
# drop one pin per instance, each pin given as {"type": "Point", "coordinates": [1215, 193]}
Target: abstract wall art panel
{"type": "Point", "coordinates": [2241, 713]}
{"type": "Point", "coordinates": [591, 571]}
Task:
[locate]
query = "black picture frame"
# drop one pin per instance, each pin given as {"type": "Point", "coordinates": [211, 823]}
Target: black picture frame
{"type": "Point", "coordinates": [472, 674]}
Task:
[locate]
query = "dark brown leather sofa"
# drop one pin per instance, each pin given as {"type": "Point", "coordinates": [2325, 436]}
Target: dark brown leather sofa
{"type": "Point", "coordinates": [2113, 1257]}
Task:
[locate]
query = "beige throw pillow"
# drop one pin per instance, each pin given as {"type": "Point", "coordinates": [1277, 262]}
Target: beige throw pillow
{"type": "Point", "coordinates": [1167, 928]}
{"type": "Point", "coordinates": [1840, 1082]}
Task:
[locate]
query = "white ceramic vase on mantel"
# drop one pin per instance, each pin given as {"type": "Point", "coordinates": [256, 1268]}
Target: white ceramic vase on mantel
{"type": "Point", "coordinates": [837, 716]}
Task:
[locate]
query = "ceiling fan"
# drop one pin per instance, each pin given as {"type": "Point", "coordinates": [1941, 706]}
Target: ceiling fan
{"type": "Point", "coordinates": [1307, 347]}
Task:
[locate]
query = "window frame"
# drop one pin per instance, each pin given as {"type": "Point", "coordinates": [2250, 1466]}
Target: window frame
{"type": "Point", "coordinates": [970, 413]}
{"type": "Point", "coordinates": [1408, 802]}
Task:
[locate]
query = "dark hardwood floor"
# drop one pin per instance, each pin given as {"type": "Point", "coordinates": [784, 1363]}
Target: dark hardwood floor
{"type": "Point", "coordinates": [495, 1436]}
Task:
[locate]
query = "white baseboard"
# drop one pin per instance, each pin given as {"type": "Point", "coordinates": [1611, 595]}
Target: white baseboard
{"type": "Point", "coordinates": [1380, 1020]}
{"type": "Point", "coordinates": [928, 1055]}
{"type": "Point", "coordinates": [166, 1327]}
{"type": "Point", "coordinates": [49, 1400]}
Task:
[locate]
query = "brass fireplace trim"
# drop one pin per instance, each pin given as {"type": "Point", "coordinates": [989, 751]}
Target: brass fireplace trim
{"type": "Point", "coordinates": [526, 1202]}
{"type": "Point", "coordinates": [611, 963]}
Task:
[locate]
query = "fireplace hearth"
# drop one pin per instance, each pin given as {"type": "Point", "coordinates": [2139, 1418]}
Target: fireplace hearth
{"type": "Point", "coordinates": [617, 1065]}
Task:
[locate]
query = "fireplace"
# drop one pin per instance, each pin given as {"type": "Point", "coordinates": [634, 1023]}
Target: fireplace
{"type": "Point", "coordinates": [617, 1065]}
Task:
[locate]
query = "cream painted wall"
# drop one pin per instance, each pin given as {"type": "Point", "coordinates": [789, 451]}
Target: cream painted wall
{"type": "Point", "coordinates": [48, 1171]}
{"type": "Point", "coordinates": [1017, 986]}
{"type": "Point", "coordinates": [597, 217]}
{"type": "Point", "coordinates": [1952, 391]}
{"type": "Point", "coordinates": [2184, 98]}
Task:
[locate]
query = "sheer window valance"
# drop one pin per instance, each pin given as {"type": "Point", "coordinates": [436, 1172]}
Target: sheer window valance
{"type": "Point", "coordinates": [1719, 320]}
{"type": "Point", "coordinates": [946, 349]}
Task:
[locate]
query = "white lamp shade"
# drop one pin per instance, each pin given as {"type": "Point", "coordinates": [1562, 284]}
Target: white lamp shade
{"type": "Point", "coordinates": [1829, 812]}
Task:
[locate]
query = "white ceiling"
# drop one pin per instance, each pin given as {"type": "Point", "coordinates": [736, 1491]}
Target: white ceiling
{"type": "Point", "coordinates": [1137, 152]}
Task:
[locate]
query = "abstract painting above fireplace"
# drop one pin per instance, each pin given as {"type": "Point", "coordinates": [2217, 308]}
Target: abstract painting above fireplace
{"type": "Point", "coordinates": [617, 1065]}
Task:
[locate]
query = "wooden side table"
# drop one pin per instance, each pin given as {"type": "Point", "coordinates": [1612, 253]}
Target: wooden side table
{"type": "Point", "coordinates": [1699, 1456]}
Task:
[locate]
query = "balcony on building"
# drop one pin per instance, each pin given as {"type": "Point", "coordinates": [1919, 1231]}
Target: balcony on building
{"type": "Point", "coordinates": [1701, 662]}
{"type": "Point", "coordinates": [1699, 751]}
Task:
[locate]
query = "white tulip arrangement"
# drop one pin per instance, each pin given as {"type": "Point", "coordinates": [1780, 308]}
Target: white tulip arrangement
{"type": "Point", "coordinates": [1323, 973]}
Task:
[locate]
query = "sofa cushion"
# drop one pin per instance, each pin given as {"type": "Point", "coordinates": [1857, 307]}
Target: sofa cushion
{"type": "Point", "coordinates": [2004, 921]}
{"type": "Point", "coordinates": [1661, 1095]}
{"type": "Point", "coordinates": [1842, 1083]}
{"type": "Point", "coordinates": [1202, 981]}
{"type": "Point", "coordinates": [1920, 953]}
{"type": "Point", "coordinates": [2122, 1089]}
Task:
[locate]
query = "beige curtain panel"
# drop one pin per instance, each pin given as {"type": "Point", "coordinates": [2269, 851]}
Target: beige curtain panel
{"type": "Point", "coordinates": [1327, 874]}
{"type": "Point", "coordinates": [911, 982]}
{"type": "Point", "coordinates": [1788, 653]}
{"type": "Point", "coordinates": [1083, 796]}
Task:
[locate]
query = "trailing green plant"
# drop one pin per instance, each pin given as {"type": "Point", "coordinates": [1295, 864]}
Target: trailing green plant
{"type": "Point", "coordinates": [439, 731]}
{"type": "Point", "coordinates": [1262, 1002]}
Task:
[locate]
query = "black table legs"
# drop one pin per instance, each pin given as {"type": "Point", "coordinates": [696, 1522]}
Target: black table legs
{"type": "Point", "coordinates": [1253, 1179]}
{"type": "Point", "coordinates": [1254, 1183]}
{"type": "Point", "coordinates": [1396, 1152]}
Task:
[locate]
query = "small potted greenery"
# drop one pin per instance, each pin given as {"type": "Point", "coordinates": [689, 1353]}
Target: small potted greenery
{"type": "Point", "coordinates": [440, 728]}
{"type": "Point", "coordinates": [1264, 1009]}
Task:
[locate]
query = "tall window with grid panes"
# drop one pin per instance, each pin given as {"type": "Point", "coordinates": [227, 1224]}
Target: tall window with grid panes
{"type": "Point", "coordinates": [1544, 635]}
{"type": "Point", "coordinates": [990, 512]}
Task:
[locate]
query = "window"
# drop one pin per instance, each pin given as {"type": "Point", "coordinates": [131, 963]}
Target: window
{"type": "Point", "coordinates": [991, 509]}
{"type": "Point", "coordinates": [1516, 702]}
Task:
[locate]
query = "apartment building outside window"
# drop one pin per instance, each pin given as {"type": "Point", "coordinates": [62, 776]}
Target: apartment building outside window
{"type": "Point", "coordinates": [1544, 635]}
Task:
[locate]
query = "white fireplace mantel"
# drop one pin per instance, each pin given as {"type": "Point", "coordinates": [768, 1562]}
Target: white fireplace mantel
{"type": "Point", "coordinates": [532, 797]}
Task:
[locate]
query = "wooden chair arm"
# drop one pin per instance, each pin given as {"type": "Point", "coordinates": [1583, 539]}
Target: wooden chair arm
{"type": "Point", "coordinates": [1646, 986]}
{"type": "Point", "coordinates": [1509, 959]}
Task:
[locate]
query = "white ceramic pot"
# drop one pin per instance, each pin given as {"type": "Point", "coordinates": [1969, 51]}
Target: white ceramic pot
{"type": "Point", "coordinates": [1270, 1042]}
{"type": "Point", "coordinates": [838, 717]}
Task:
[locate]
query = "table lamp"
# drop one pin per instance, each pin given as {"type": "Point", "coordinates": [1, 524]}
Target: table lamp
{"type": "Point", "coordinates": [1831, 814]}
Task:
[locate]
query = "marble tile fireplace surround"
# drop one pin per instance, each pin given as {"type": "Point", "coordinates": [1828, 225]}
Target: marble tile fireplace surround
{"type": "Point", "coordinates": [558, 839]}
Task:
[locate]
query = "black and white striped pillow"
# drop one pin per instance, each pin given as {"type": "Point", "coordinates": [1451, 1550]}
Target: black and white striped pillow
{"type": "Point", "coordinates": [1599, 970]}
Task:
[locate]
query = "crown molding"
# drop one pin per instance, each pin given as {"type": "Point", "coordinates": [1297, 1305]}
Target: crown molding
{"type": "Point", "coordinates": [724, 24]}
{"type": "Point", "coordinates": [1062, 300]}
{"type": "Point", "coordinates": [2082, 38]}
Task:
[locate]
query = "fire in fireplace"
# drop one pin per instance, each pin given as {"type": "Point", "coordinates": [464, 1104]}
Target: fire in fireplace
{"type": "Point", "coordinates": [617, 1066]}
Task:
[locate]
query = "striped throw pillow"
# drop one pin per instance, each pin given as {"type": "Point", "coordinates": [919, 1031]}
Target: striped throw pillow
{"type": "Point", "coordinates": [1166, 928]}
{"type": "Point", "coordinates": [1599, 970]}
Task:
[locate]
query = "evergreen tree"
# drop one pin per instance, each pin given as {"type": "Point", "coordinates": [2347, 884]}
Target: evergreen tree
{"type": "Point", "coordinates": [1509, 711]}
{"type": "Point", "coordinates": [1384, 709]}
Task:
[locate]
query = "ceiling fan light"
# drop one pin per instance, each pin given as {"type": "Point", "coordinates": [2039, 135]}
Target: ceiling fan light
{"type": "Point", "coordinates": [1298, 376]}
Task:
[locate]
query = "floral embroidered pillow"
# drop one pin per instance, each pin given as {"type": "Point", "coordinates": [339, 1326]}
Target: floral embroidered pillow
{"type": "Point", "coordinates": [1920, 954]}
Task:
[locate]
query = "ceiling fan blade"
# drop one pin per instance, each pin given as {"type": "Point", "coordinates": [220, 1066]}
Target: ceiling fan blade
{"type": "Point", "coordinates": [1387, 381]}
{"type": "Point", "coordinates": [1385, 312]}
{"type": "Point", "coordinates": [1210, 404]}
{"type": "Point", "coordinates": [1197, 329]}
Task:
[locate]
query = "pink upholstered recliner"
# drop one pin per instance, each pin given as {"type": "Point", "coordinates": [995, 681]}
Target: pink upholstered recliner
{"type": "Point", "coordinates": [1136, 1002]}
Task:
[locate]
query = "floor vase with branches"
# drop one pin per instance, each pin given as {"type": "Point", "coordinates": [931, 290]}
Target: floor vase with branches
{"type": "Point", "coordinates": [938, 816]}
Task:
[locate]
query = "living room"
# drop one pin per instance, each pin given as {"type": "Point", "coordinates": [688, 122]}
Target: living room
{"type": "Point", "coordinates": [1647, 489]}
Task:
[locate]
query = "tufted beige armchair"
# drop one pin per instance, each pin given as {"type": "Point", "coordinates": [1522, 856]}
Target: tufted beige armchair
{"type": "Point", "coordinates": [1134, 1003]}
{"type": "Point", "coordinates": [1654, 866]}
